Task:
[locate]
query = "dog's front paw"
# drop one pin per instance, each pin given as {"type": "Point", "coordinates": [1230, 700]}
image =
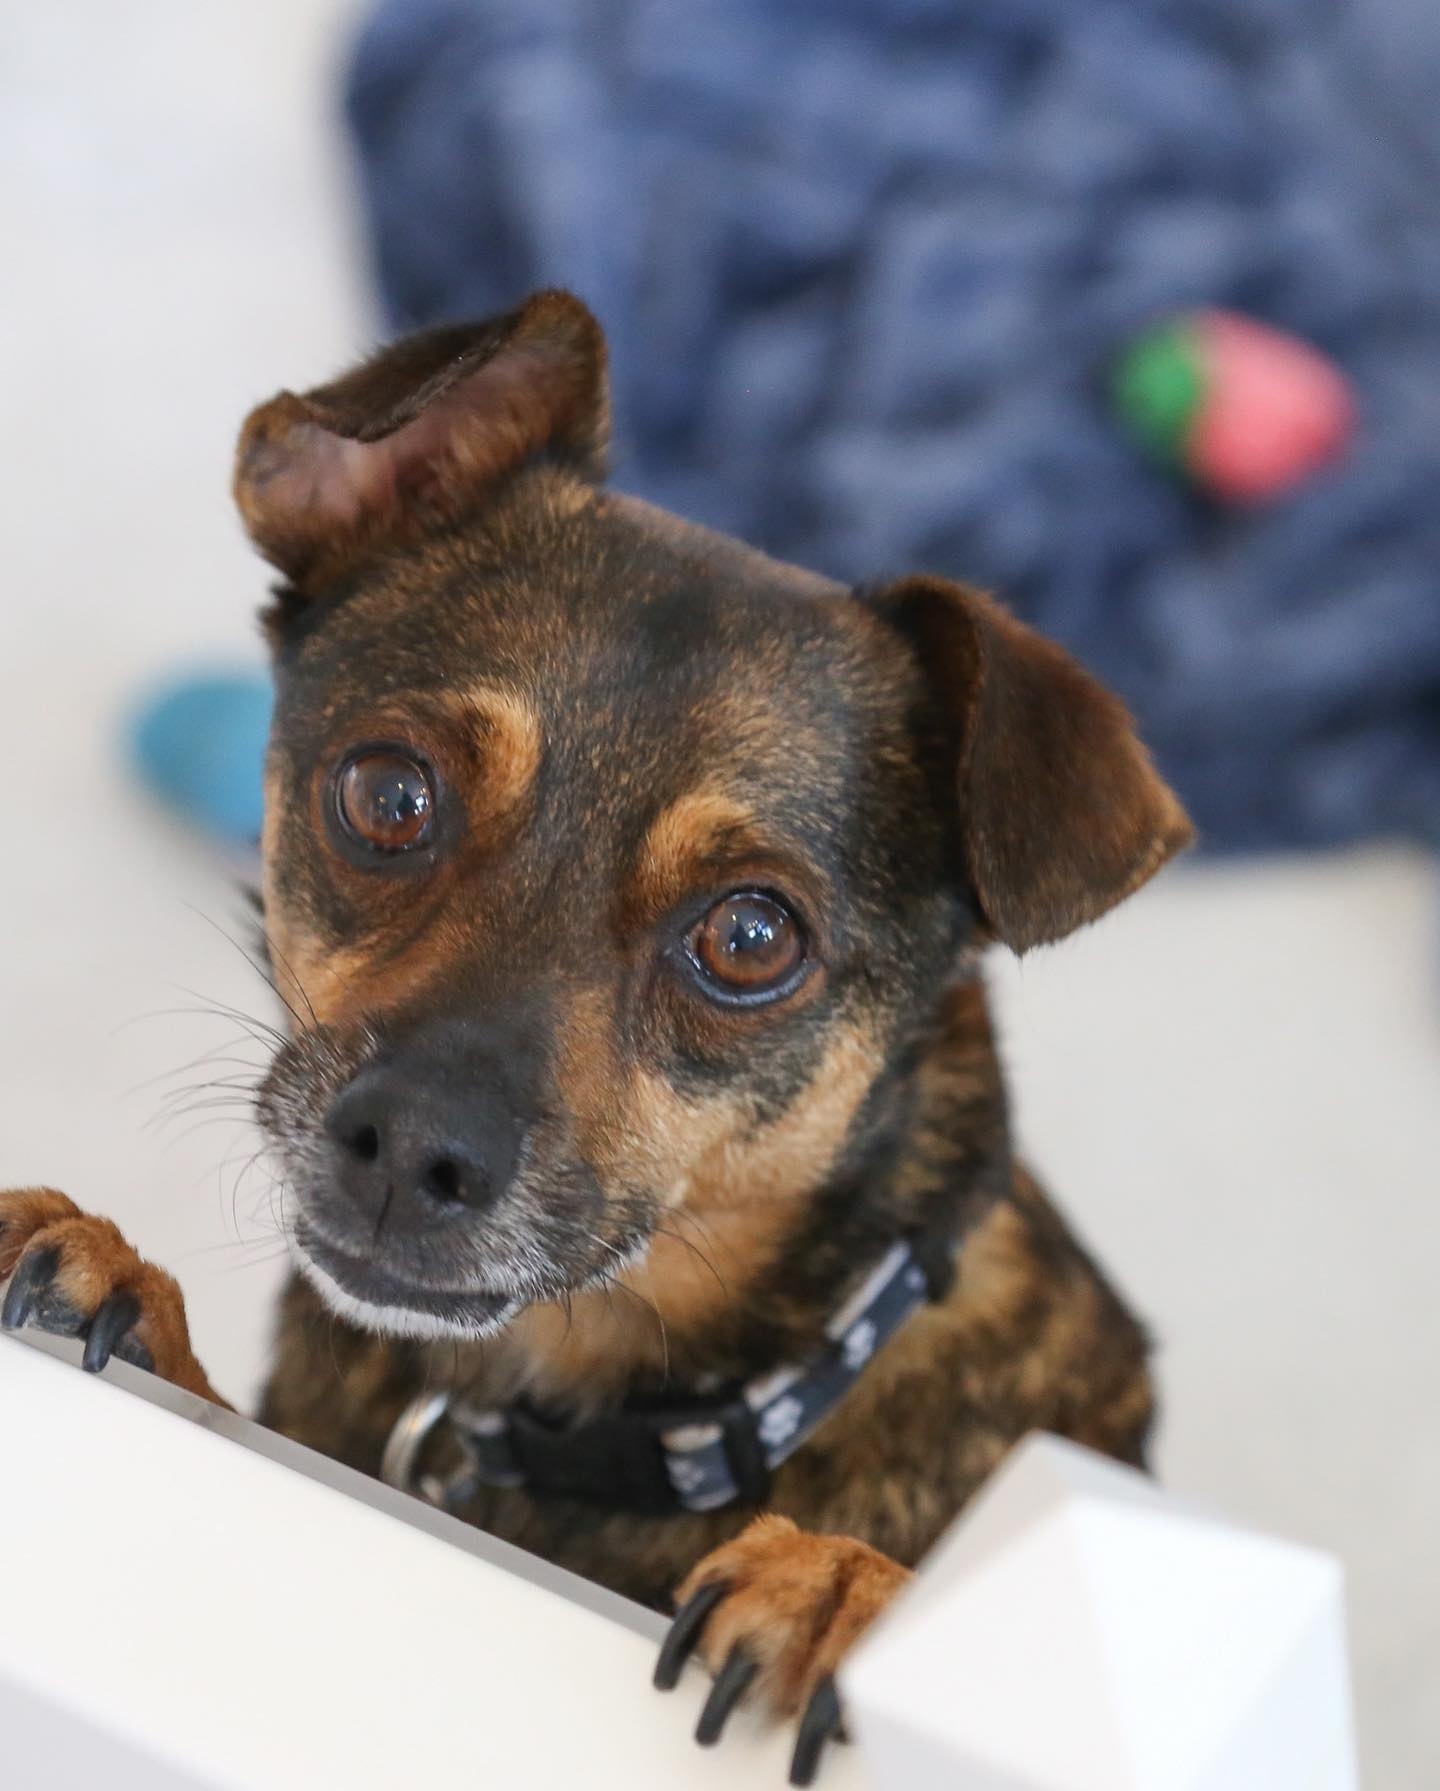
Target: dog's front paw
{"type": "Point", "coordinates": [771, 1614]}
{"type": "Point", "coordinates": [75, 1274]}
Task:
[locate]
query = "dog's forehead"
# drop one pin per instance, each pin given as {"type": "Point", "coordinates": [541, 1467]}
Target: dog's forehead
{"type": "Point", "coordinates": [646, 648]}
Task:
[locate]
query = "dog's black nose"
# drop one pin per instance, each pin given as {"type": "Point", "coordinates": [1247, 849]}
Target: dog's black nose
{"type": "Point", "coordinates": [408, 1147]}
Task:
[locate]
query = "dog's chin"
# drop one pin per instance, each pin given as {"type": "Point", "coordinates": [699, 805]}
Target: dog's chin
{"type": "Point", "coordinates": [366, 1295]}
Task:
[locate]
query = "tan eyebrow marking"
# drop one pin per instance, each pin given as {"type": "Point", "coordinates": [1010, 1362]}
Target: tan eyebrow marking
{"type": "Point", "coordinates": [681, 839]}
{"type": "Point", "coordinates": [510, 743]}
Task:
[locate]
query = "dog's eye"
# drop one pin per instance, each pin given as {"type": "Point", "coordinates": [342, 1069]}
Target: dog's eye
{"type": "Point", "coordinates": [385, 799]}
{"type": "Point", "coordinates": [748, 944]}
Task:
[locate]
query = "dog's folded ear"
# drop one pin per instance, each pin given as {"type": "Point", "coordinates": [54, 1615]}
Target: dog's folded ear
{"type": "Point", "coordinates": [420, 431]}
{"type": "Point", "coordinates": [1062, 813]}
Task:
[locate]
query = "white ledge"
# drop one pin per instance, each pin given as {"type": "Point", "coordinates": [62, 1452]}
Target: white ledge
{"type": "Point", "coordinates": [189, 1601]}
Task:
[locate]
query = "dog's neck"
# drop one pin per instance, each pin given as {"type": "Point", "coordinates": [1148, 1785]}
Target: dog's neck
{"type": "Point", "coordinates": [753, 1283]}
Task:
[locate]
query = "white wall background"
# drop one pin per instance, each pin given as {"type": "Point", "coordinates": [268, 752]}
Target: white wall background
{"type": "Point", "coordinates": [1234, 1085]}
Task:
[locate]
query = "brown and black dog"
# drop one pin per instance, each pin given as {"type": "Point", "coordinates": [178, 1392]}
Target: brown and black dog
{"type": "Point", "coordinates": [629, 890]}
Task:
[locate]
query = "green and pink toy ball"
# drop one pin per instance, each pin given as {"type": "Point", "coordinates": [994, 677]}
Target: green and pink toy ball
{"type": "Point", "coordinates": [1248, 413]}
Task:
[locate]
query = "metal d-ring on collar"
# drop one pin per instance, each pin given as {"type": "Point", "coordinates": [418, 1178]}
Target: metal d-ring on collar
{"type": "Point", "coordinates": [403, 1447]}
{"type": "Point", "coordinates": [695, 1457]}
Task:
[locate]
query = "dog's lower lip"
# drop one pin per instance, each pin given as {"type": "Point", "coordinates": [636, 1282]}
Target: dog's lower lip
{"type": "Point", "coordinates": [369, 1283]}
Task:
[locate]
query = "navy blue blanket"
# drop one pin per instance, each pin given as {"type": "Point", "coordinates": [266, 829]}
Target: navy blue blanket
{"type": "Point", "coordinates": [864, 264]}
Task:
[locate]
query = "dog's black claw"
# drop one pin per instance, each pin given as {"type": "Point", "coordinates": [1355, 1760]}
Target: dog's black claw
{"type": "Point", "coordinates": [683, 1634]}
{"type": "Point", "coordinates": [730, 1686]}
{"type": "Point", "coordinates": [820, 1721]}
{"type": "Point", "coordinates": [117, 1315]}
{"type": "Point", "coordinates": [34, 1274]}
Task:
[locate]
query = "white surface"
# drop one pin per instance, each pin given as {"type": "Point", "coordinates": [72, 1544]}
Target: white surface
{"type": "Point", "coordinates": [1232, 1084]}
{"type": "Point", "coordinates": [252, 1629]}
{"type": "Point", "coordinates": [1080, 1630]}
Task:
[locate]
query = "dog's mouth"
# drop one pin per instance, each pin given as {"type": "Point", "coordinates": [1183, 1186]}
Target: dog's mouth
{"type": "Point", "coordinates": [432, 1269]}
{"type": "Point", "coordinates": [377, 1299]}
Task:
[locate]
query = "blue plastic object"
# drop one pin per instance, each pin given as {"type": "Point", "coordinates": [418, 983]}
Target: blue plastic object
{"type": "Point", "coordinates": [199, 745]}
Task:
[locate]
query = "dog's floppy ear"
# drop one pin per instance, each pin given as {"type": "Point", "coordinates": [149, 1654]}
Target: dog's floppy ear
{"type": "Point", "coordinates": [1062, 813]}
{"type": "Point", "coordinates": [420, 431]}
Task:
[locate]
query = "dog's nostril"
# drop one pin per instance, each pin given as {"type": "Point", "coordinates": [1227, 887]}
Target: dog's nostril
{"type": "Point", "coordinates": [365, 1143]}
{"type": "Point", "coordinates": [442, 1179]}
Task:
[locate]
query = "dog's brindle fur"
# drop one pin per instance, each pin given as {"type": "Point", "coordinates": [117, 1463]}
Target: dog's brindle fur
{"type": "Point", "coordinates": [628, 717]}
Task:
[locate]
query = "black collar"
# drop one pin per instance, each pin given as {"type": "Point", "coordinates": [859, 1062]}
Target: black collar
{"type": "Point", "coordinates": [692, 1457]}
